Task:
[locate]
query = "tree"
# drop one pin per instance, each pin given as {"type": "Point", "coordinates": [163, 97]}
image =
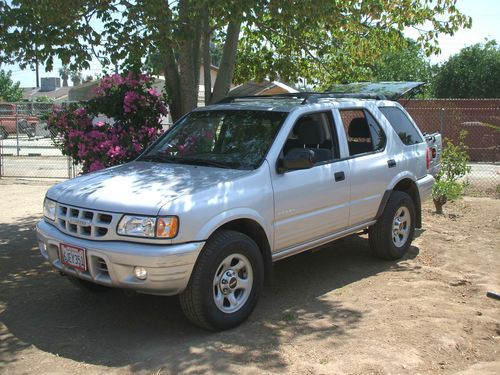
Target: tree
{"type": "Point", "coordinates": [9, 91]}
{"type": "Point", "coordinates": [76, 78]}
{"type": "Point", "coordinates": [472, 73]}
{"type": "Point", "coordinates": [64, 73]}
{"type": "Point", "coordinates": [449, 181]}
{"type": "Point", "coordinates": [114, 127]}
{"type": "Point", "coordinates": [44, 99]}
{"type": "Point", "coordinates": [321, 41]}
{"type": "Point", "coordinates": [407, 64]}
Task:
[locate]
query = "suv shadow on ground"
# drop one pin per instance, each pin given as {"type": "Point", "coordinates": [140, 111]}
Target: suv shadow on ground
{"type": "Point", "coordinates": [150, 333]}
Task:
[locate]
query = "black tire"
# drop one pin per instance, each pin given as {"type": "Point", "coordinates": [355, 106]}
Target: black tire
{"type": "Point", "coordinates": [30, 131]}
{"type": "Point", "coordinates": [198, 300]}
{"type": "Point", "coordinates": [387, 242]}
{"type": "Point", "coordinates": [87, 285]}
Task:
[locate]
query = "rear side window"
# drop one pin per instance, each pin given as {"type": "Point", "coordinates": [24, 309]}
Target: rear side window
{"type": "Point", "coordinates": [402, 125]}
{"type": "Point", "coordinates": [364, 134]}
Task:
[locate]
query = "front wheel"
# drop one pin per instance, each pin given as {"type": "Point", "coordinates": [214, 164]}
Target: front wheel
{"type": "Point", "coordinates": [391, 237]}
{"type": "Point", "coordinates": [226, 282]}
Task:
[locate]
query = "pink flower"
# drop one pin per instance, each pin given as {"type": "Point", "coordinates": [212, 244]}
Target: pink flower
{"type": "Point", "coordinates": [153, 92]}
{"type": "Point", "coordinates": [137, 147]}
{"type": "Point", "coordinates": [130, 100]}
{"type": "Point", "coordinates": [82, 151]}
{"type": "Point", "coordinates": [95, 166]}
{"type": "Point", "coordinates": [79, 112]}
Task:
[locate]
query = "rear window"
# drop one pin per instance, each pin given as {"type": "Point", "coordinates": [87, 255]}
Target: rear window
{"type": "Point", "coordinates": [402, 125]}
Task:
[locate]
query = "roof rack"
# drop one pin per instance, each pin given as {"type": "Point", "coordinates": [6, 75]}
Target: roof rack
{"type": "Point", "coordinates": [307, 97]}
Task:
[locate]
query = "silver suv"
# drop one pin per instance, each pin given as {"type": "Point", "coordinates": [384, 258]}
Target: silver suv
{"type": "Point", "coordinates": [233, 187]}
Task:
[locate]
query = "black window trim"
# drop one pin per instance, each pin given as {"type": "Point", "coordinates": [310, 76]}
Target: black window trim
{"type": "Point", "coordinates": [409, 119]}
{"type": "Point", "coordinates": [335, 140]}
{"type": "Point", "coordinates": [347, 135]}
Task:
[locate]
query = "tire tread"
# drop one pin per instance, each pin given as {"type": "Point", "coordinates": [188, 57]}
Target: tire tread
{"type": "Point", "coordinates": [379, 237]}
{"type": "Point", "coordinates": [191, 300]}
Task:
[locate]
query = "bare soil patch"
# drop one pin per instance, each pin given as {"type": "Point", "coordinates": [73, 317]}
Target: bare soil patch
{"type": "Point", "coordinates": [336, 310]}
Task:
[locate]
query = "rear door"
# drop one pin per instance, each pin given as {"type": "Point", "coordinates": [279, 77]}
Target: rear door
{"type": "Point", "coordinates": [370, 167]}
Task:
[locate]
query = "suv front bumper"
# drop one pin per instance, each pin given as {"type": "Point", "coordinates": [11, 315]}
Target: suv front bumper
{"type": "Point", "coordinates": [112, 263]}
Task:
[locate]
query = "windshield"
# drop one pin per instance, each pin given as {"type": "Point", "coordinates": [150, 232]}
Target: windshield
{"type": "Point", "coordinates": [225, 139]}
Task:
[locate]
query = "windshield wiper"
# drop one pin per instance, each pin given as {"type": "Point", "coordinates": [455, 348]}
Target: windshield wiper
{"type": "Point", "coordinates": [158, 158]}
{"type": "Point", "coordinates": [205, 162]}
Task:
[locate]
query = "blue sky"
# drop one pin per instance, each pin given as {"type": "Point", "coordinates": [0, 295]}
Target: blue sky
{"type": "Point", "coordinates": [485, 25]}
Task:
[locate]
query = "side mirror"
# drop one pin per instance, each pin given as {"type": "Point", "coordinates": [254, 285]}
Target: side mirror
{"type": "Point", "coordinates": [297, 159]}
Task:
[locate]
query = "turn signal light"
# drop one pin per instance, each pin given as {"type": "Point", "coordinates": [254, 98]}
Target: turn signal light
{"type": "Point", "coordinates": [167, 227]}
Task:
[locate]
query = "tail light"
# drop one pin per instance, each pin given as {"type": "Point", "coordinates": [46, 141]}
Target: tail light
{"type": "Point", "coordinates": [428, 157]}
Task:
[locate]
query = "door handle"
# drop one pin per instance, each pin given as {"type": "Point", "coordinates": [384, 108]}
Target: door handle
{"type": "Point", "coordinates": [391, 163]}
{"type": "Point", "coordinates": [339, 176]}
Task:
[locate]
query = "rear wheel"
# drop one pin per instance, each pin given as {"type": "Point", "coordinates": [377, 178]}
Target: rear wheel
{"type": "Point", "coordinates": [391, 237]}
{"type": "Point", "coordinates": [226, 282]}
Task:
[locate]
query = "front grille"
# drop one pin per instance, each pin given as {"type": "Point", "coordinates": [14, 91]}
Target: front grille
{"type": "Point", "coordinates": [85, 223]}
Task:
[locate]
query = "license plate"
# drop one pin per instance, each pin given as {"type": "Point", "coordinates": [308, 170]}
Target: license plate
{"type": "Point", "coordinates": [73, 257]}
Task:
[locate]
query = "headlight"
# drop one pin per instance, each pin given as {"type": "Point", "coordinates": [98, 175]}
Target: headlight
{"type": "Point", "coordinates": [49, 209]}
{"type": "Point", "coordinates": [144, 226]}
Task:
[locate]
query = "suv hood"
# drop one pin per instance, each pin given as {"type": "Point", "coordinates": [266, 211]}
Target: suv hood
{"type": "Point", "coordinates": [138, 187]}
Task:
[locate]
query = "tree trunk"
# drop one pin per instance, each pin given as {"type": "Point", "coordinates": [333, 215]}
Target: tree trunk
{"type": "Point", "coordinates": [439, 203]}
{"type": "Point", "coordinates": [226, 68]}
{"type": "Point", "coordinates": [172, 85]}
{"type": "Point", "coordinates": [182, 85]}
{"type": "Point", "coordinates": [207, 61]}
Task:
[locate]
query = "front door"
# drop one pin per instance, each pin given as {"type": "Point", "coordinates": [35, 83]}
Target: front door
{"type": "Point", "coordinates": [312, 203]}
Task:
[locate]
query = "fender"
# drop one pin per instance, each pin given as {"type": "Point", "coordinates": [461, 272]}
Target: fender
{"type": "Point", "coordinates": [234, 214]}
{"type": "Point", "coordinates": [404, 181]}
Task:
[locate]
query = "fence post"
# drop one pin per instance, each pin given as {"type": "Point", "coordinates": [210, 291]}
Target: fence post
{"type": "Point", "coordinates": [17, 128]}
{"type": "Point", "coordinates": [441, 121]}
{"type": "Point", "coordinates": [1, 158]}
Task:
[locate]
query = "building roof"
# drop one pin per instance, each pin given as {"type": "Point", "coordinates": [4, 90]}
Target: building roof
{"type": "Point", "coordinates": [261, 88]}
{"type": "Point", "coordinates": [31, 93]}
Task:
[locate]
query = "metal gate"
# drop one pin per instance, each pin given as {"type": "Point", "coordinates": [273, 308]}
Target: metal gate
{"type": "Point", "coordinates": [26, 149]}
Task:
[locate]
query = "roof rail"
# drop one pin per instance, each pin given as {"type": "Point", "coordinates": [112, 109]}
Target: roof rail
{"type": "Point", "coordinates": [290, 95]}
{"type": "Point", "coordinates": [307, 97]}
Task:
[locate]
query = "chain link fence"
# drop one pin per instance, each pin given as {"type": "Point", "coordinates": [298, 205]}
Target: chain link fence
{"type": "Point", "coordinates": [26, 149]}
{"type": "Point", "coordinates": [481, 120]}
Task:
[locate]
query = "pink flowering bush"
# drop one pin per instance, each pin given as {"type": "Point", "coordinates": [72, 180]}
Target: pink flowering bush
{"type": "Point", "coordinates": [112, 128]}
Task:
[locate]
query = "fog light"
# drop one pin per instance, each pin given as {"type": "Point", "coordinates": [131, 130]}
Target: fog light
{"type": "Point", "coordinates": [140, 273]}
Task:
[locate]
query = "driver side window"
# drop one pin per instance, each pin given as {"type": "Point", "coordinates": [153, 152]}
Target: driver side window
{"type": "Point", "coordinates": [314, 132]}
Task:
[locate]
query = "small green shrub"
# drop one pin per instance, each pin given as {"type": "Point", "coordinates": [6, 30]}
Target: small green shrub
{"type": "Point", "coordinates": [449, 183]}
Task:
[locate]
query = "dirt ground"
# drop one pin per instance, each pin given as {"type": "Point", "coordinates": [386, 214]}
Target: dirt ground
{"type": "Point", "coordinates": [337, 310]}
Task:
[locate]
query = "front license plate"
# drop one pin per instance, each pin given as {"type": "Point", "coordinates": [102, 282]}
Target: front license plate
{"type": "Point", "coordinates": [73, 256]}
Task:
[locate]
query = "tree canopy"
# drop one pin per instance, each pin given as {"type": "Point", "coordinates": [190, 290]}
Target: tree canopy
{"type": "Point", "coordinates": [406, 64]}
{"type": "Point", "coordinates": [322, 41]}
{"type": "Point", "coordinates": [472, 73]}
{"type": "Point", "coordinates": [9, 91]}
